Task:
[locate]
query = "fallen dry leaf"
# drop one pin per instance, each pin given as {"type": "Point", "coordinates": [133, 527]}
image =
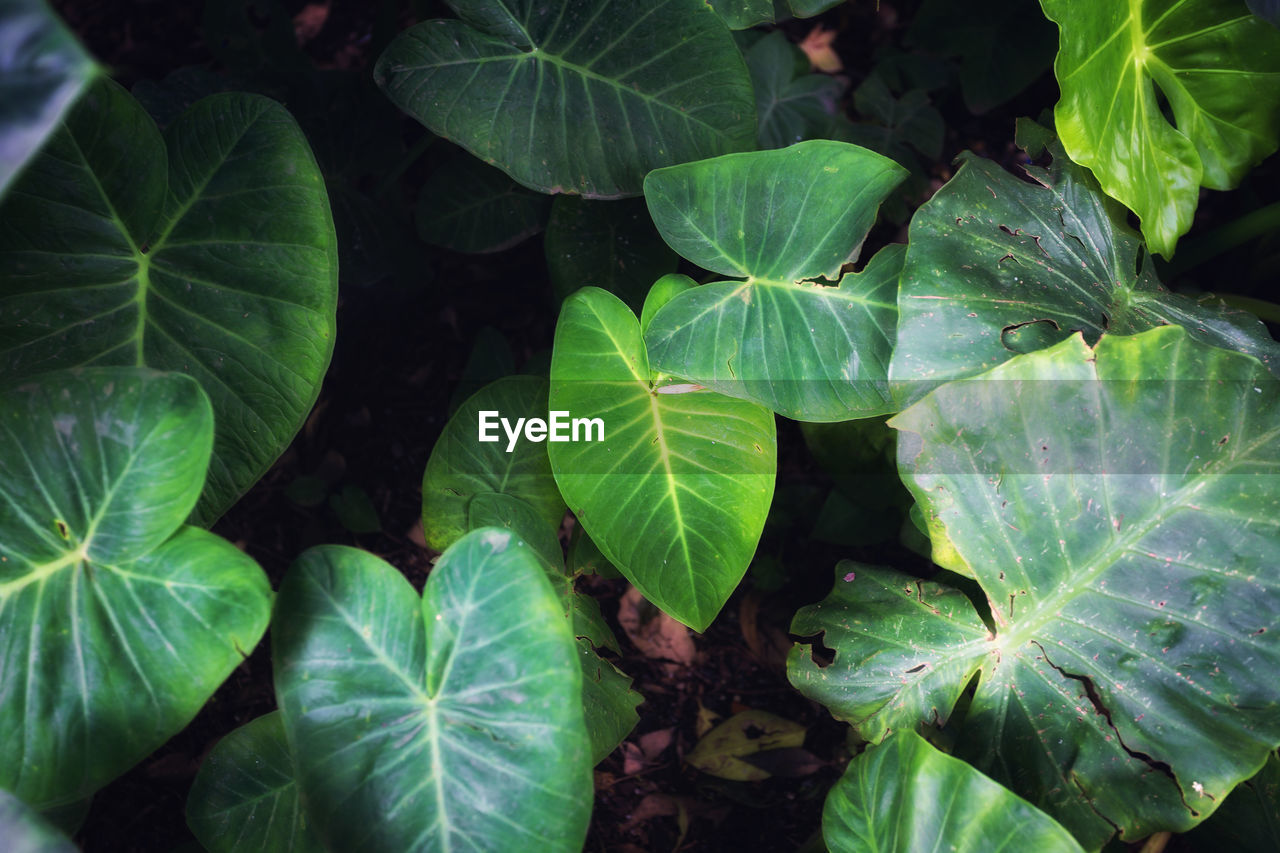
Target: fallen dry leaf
{"type": "Point", "coordinates": [721, 752]}
{"type": "Point", "coordinates": [654, 634]}
{"type": "Point", "coordinates": [655, 743]}
{"type": "Point", "coordinates": [308, 23]}
{"type": "Point", "coordinates": [818, 47]}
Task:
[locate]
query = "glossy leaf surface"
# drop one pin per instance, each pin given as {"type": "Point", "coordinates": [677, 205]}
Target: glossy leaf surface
{"type": "Point", "coordinates": [906, 795]}
{"type": "Point", "coordinates": [1118, 506]}
{"type": "Point", "coordinates": [462, 467]}
{"type": "Point", "coordinates": [245, 796]}
{"type": "Point", "coordinates": [808, 351]}
{"type": "Point", "coordinates": [117, 622]}
{"type": "Point", "coordinates": [676, 494]}
{"type": "Point", "coordinates": [448, 722]}
{"type": "Point", "coordinates": [999, 266]}
{"type": "Point", "coordinates": [43, 70]}
{"type": "Point", "coordinates": [222, 265]}
{"type": "Point", "coordinates": [574, 97]}
{"type": "Point", "coordinates": [1216, 66]}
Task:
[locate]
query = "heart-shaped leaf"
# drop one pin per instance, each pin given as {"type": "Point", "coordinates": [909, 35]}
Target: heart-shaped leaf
{"type": "Point", "coordinates": [221, 265]}
{"type": "Point", "coordinates": [462, 466]}
{"type": "Point", "coordinates": [578, 98]}
{"type": "Point", "coordinates": [43, 70]}
{"type": "Point", "coordinates": [245, 796]}
{"type": "Point", "coordinates": [999, 266]}
{"type": "Point", "coordinates": [1118, 507]}
{"type": "Point", "coordinates": [677, 492]}
{"type": "Point", "coordinates": [906, 795]}
{"type": "Point", "coordinates": [447, 722]}
{"type": "Point", "coordinates": [740, 337]}
{"type": "Point", "coordinates": [117, 622]}
{"type": "Point", "coordinates": [1216, 69]}
{"type": "Point", "coordinates": [790, 105]}
{"type": "Point", "coordinates": [808, 351]}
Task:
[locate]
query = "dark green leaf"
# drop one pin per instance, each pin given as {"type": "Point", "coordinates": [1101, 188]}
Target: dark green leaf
{"type": "Point", "coordinates": [906, 795]}
{"type": "Point", "coordinates": [1249, 820]}
{"type": "Point", "coordinates": [609, 703]}
{"type": "Point", "coordinates": [999, 266]}
{"type": "Point", "coordinates": [608, 244]}
{"type": "Point", "coordinates": [355, 510]}
{"type": "Point", "coordinates": [791, 107]}
{"type": "Point", "coordinates": [117, 621]}
{"type": "Point", "coordinates": [245, 796]}
{"type": "Point", "coordinates": [222, 265]}
{"type": "Point", "coordinates": [585, 100]}
{"type": "Point", "coordinates": [447, 722]}
{"type": "Point", "coordinates": [469, 206]}
{"type": "Point", "coordinates": [461, 466]}
{"type": "Point", "coordinates": [742, 14]}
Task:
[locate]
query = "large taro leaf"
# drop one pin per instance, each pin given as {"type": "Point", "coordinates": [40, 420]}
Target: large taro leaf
{"type": "Point", "coordinates": [906, 795]}
{"type": "Point", "coordinates": [677, 492]}
{"type": "Point", "coordinates": [1249, 820]}
{"type": "Point", "coordinates": [780, 219]}
{"type": "Point", "coordinates": [25, 831]}
{"type": "Point", "coordinates": [450, 722]}
{"type": "Point", "coordinates": [462, 467]}
{"type": "Point", "coordinates": [245, 796]}
{"type": "Point", "coordinates": [1216, 69]}
{"type": "Point", "coordinates": [117, 623]}
{"type": "Point", "coordinates": [220, 264]}
{"type": "Point", "coordinates": [998, 266]}
{"type": "Point", "coordinates": [1118, 506]}
{"type": "Point", "coordinates": [43, 70]}
{"type": "Point", "coordinates": [576, 97]}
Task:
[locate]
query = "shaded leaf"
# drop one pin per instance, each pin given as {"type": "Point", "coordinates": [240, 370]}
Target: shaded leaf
{"type": "Point", "coordinates": [245, 796]}
{"type": "Point", "coordinates": [906, 795]}
{"type": "Point", "coordinates": [609, 703]}
{"type": "Point", "coordinates": [222, 265]}
{"type": "Point", "coordinates": [999, 266]}
{"type": "Point", "coordinates": [583, 101]}
{"type": "Point", "coordinates": [791, 107]}
{"type": "Point", "coordinates": [427, 724]}
{"type": "Point", "coordinates": [469, 206]}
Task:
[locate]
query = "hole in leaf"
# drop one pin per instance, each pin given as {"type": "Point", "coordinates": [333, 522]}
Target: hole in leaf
{"type": "Point", "coordinates": [1031, 336]}
{"type": "Point", "coordinates": [61, 527]}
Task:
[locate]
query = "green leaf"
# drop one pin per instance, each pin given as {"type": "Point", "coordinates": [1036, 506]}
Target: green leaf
{"type": "Point", "coordinates": [1249, 819]}
{"type": "Point", "coordinates": [1118, 508]}
{"type": "Point", "coordinates": [1003, 46]}
{"type": "Point", "coordinates": [355, 510]}
{"type": "Point", "coordinates": [492, 509]}
{"type": "Point", "coordinates": [117, 621]}
{"type": "Point", "coordinates": [743, 14]}
{"type": "Point", "coordinates": [221, 265]}
{"type": "Point", "coordinates": [677, 492]}
{"type": "Point", "coordinates": [43, 70]}
{"type": "Point", "coordinates": [906, 795]}
{"type": "Point", "coordinates": [469, 206]}
{"type": "Point", "coordinates": [585, 100]}
{"type": "Point", "coordinates": [461, 466]}
{"type": "Point", "coordinates": [612, 245]}
{"type": "Point", "coordinates": [791, 107]}
{"type": "Point", "coordinates": [1215, 66]}
{"type": "Point", "coordinates": [245, 796]}
{"type": "Point", "coordinates": [438, 723]}
{"type": "Point", "coordinates": [902, 124]}
{"type": "Point", "coordinates": [998, 266]}
{"type": "Point", "coordinates": [25, 831]}
{"type": "Point", "coordinates": [609, 703]}
{"type": "Point", "coordinates": [808, 351]}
